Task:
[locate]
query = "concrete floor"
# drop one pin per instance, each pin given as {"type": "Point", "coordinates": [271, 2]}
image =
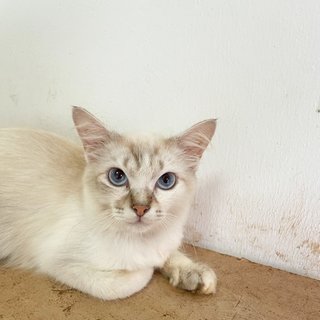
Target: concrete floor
{"type": "Point", "coordinates": [246, 291]}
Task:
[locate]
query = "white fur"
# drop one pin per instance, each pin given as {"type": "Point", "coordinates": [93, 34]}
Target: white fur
{"type": "Point", "coordinates": [59, 214]}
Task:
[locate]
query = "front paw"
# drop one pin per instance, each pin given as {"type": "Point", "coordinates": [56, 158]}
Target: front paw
{"type": "Point", "coordinates": [193, 277]}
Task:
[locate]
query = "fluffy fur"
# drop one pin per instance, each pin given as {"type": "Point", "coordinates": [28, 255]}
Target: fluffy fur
{"type": "Point", "coordinates": [60, 215]}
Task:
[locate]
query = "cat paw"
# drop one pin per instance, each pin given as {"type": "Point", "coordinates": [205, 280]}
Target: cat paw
{"type": "Point", "coordinates": [194, 277]}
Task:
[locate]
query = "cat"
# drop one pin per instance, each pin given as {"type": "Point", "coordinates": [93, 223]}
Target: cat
{"type": "Point", "coordinates": [103, 216]}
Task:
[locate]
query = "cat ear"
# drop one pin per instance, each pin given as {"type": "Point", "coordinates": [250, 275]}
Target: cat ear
{"type": "Point", "coordinates": [195, 140]}
{"type": "Point", "coordinates": [91, 131]}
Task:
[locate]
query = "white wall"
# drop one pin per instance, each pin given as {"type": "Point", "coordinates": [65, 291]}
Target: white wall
{"type": "Point", "coordinates": [163, 65]}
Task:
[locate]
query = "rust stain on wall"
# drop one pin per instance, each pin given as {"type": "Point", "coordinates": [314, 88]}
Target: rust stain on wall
{"type": "Point", "coordinates": [282, 256]}
{"type": "Point", "coordinates": [313, 246]}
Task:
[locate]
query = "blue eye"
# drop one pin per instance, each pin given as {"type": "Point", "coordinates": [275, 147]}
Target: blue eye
{"type": "Point", "coordinates": [166, 181]}
{"type": "Point", "coordinates": [117, 177]}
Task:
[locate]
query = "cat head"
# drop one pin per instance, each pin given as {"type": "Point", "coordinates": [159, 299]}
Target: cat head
{"type": "Point", "coordinates": [140, 183]}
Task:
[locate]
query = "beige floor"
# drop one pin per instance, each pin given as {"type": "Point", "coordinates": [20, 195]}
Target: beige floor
{"type": "Point", "coordinates": [246, 291]}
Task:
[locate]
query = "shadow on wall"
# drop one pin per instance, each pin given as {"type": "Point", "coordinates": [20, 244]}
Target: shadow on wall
{"type": "Point", "coordinates": [202, 211]}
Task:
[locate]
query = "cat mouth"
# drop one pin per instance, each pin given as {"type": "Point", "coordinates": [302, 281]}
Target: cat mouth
{"type": "Point", "coordinates": [140, 222]}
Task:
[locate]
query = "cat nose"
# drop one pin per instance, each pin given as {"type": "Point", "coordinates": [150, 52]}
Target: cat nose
{"type": "Point", "coordinates": [140, 210]}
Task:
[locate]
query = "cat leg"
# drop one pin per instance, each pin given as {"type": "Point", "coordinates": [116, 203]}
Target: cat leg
{"type": "Point", "coordinates": [103, 284]}
{"type": "Point", "coordinates": [183, 273]}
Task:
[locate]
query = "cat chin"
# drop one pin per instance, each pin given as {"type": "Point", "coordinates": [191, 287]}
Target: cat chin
{"type": "Point", "coordinates": [140, 227]}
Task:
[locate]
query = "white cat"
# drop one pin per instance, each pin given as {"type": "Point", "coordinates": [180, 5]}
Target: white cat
{"type": "Point", "coordinates": [101, 220]}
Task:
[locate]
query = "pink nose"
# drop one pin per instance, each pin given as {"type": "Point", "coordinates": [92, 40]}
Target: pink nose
{"type": "Point", "coordinates": [140, 210]}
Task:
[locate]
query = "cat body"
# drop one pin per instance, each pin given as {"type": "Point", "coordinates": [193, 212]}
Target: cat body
{"type": "Point", "coordinates": [64, 213]}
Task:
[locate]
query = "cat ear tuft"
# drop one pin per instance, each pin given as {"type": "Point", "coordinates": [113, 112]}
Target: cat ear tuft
{"type": "Point", "coordinates": [91, 131]}
{"type": "Point", "coordinates": [195, 140]}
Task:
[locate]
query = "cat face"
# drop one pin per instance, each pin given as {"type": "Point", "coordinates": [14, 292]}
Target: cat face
{"type": "Point", "coordinates": [140, 184]}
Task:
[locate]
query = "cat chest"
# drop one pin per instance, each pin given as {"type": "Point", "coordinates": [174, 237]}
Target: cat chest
{"type": "Point", "coordinates": [130, 255]}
